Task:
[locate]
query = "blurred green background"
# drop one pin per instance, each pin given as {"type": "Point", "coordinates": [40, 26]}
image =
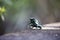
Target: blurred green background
{"type": "Point", "coordinates": [16, 13]}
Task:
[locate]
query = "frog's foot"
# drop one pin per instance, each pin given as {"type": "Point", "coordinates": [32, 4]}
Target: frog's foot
{"type": "Point", "coordinates": [35, 28]}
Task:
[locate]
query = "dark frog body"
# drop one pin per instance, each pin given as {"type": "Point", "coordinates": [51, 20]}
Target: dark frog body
{"type": "Point", "coordinates": [34, 24]}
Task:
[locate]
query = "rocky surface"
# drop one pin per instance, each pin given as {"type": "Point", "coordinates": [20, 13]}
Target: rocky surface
{"type": "Point", "coordinates": [33, 35]}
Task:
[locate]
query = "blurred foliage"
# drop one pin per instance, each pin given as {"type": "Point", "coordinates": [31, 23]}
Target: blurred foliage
{"type": "Point", "coordinates": [15, 7]}
{"type": "Point", "coordinates": [56, 3]}
{"type": "Point", "coordinates": [2, 8]}
{"type": "Point", "coordinates": [19, 4]}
